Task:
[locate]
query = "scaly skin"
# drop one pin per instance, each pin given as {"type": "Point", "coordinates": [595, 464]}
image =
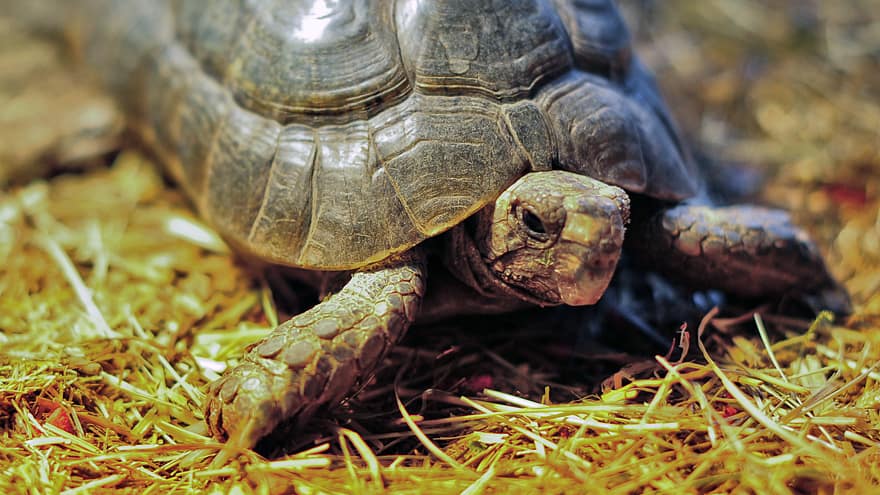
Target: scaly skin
{"type": "Point", "coordinates": [745, 250]}
{"type": "Point", "coordinates": [571, 260]}
{"type": "Point", "coordinates": [319, 356]}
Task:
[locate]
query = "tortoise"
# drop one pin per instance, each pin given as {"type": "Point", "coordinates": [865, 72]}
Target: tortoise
{"type": "Point", "coordinates": [506, 141]}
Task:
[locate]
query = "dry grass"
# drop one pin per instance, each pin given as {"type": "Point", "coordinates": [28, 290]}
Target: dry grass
{"type": "Point", "coordinates": [117, 307]}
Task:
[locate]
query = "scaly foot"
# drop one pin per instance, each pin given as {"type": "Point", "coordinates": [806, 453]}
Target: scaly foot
{"type": "Point", "coordinates": [317, 357]}
{"type": "Point", "coordinates": [745, 250]}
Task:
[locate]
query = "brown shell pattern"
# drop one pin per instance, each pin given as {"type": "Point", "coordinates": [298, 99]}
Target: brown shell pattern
{"type": "Point", "coordinates": [331, 134]}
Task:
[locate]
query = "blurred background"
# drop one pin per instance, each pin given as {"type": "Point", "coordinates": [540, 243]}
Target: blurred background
{"type": "Point", "coordinates": [786, 94]}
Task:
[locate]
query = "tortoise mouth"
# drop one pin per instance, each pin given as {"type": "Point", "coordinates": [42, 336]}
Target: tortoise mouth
{"type": "Point", "coordinates": [580, 283]}
{"type": "Point", "coordinates": [541, 292]}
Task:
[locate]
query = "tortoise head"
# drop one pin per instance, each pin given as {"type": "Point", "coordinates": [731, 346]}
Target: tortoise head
{"type": "Point", "coordinates": [556, 236]}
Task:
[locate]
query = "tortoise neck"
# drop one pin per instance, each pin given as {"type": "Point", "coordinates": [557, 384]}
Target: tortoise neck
{"type": "Point", "coordinates": [463, 258]}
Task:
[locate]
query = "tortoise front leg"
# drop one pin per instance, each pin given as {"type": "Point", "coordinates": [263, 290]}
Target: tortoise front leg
{"type": "Point", "coordinates": [317, 357]}
{"type": "Point", "coordinates": [748, 251]}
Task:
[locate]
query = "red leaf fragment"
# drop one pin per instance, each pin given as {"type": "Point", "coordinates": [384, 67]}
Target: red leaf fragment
{"type": "Point", "coordinates": [847, 194]}
{"type": "Point", "coordinates": [479, 382]}
{"type": "Point", "coordinates": [55, 414]}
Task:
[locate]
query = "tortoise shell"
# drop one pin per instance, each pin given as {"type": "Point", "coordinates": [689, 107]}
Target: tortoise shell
{"type": "Point", "coordinates": [332, 134]}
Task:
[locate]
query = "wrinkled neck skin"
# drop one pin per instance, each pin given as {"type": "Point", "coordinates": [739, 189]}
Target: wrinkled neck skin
{"type": "Point", "coordinates": [467, 263]}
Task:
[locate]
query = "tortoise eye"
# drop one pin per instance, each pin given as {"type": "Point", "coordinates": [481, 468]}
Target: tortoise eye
{"type": "Point", "coordinates": [533, 224]}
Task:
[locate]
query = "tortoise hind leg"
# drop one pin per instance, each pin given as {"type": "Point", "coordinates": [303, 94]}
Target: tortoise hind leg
{"type": "Point", "coordinates": [748, 251]}
{"type": "Point", "coordinates": [319, 356]}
